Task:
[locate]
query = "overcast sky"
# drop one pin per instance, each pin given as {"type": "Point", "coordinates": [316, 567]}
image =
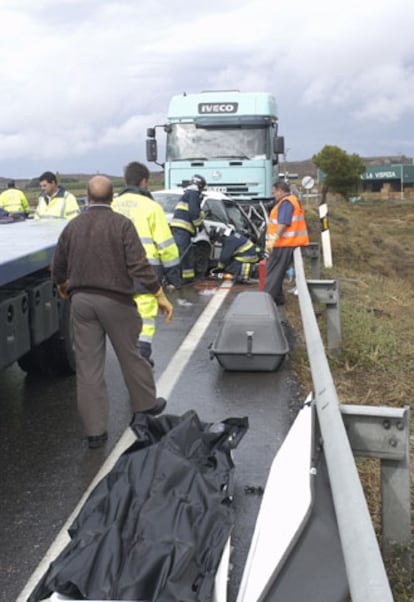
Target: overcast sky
{"type": "Point", "coordinates": [81, 80]}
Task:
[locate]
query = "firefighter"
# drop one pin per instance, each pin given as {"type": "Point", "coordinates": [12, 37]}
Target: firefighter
{"type": "Point", "coordinates": [239, 255]}
{"type": "Point", "coordinates": [286, 230]}
{"type": "Point", "coordinates": [14, 201]}
{"type": "Point", "coordinates": [55, 202]}
{"type": "Point", "coordinates": [187, 219]}
{"type": "Point", "coordinates": [136, 203]}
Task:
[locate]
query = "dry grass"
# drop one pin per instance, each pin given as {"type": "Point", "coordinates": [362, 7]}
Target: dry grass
{"type": "Point", "coordinates": [373, 256]}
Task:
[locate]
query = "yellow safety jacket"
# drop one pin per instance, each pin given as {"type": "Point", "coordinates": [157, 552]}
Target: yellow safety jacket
{"type": "Point", "coordinates": [147, 306]}
{"type": "Point", "coordinates": [295, 235]}
{"type": "Point", "coordinates": [13, 200]}
{"type": "Point", "coordinates": [162, 253]}
{"type": "Point", "coordinates": [63, 205]}
{"type": "Point", "coordinates": [151, 224]}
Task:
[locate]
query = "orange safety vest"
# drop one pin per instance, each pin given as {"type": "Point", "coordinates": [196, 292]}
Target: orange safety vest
{"type": "Point", "coordinates": [295, 235]}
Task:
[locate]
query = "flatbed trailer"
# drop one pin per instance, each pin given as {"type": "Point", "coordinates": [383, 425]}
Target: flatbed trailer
{"type": "Point", "coordinates": [34, 321]}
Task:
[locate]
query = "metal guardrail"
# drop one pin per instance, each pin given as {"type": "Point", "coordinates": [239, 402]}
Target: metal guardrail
{"type": "Point", "coordinates": [365, 569]}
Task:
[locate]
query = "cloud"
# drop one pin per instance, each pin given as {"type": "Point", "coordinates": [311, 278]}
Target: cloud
{"type": "Point", "coordinates": [77, 76]}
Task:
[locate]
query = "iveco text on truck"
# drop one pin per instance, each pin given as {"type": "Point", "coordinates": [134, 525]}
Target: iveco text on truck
{"type": "Point", "coordinates": [228, 137]}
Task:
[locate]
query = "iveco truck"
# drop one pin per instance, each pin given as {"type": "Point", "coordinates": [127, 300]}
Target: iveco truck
{"type": "Point", "coordinates": [229, 137]}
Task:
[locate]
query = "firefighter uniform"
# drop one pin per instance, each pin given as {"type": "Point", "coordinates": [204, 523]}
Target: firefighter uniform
{"type": "Point", "coordinates": [238, 255]}
{"type": "Point", "coordinates": [62, 205]}
{"type": "Point", "coordinates": [287, 211]}
{"type": "Point", "coordinates": [13, 200]}
{"type": "Point", "coordinates": [186, 219]}
{"type": "Point", "coordinates": [162, 253]}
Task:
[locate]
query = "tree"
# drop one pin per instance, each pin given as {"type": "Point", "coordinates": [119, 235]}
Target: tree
{"type": "Point", "coordinates": [342, 172]}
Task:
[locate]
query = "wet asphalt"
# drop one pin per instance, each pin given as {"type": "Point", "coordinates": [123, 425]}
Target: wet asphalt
{"type": "Point", "coordinates": [45, 466]}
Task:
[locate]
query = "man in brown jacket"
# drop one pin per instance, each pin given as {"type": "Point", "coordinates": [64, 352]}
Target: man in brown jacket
{"type": "Point", "coordinates": [98, 259]}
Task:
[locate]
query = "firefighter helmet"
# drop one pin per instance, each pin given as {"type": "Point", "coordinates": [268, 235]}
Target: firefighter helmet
{"type": "Point", "coordinates": [199, 181]}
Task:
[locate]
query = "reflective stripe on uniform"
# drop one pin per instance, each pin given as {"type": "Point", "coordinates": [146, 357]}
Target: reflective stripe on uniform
{"type": "Point", "coordinates": [188, 274]}
{"type": "Point", "coordinates": [147, 306]}
{"type": "Point", "coordinates": [180, 223]}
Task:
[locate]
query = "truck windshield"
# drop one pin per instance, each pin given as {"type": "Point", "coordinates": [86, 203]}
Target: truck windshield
{"type": "Point", "coordinates": [186, 142]}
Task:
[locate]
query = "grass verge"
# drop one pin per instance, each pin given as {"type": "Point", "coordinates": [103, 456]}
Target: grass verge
{"type": "Point", "coordinates": [373, 256]}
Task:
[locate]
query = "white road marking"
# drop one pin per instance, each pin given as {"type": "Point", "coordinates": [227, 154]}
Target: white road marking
{"type": "Point", "coordinates": [165, 384]}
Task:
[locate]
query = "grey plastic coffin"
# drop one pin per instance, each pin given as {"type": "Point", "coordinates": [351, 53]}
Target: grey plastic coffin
{"type": "Point", "coordinates": [251, 336]}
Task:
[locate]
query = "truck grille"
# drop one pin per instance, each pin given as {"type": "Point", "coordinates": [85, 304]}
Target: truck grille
{"type": "Point", "coordinates": [233, 190]}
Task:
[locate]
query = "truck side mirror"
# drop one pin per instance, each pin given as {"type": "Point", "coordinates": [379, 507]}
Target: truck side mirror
{"type": "Point", "coordinates": [278, 145]}
{"type": "Point", "coordinates": [152, 152]}
{"type": "Point", "coordinates": [151, 133]}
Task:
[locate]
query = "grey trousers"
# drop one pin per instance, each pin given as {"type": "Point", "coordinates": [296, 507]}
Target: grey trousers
{"type": "Point", "coordinates": [95, 316]}
{"type": "Point", "coordinates": [276, 266]}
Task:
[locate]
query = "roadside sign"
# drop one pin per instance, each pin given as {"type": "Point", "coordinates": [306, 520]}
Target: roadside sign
{"type": "Point", "coordinates": [325, 235]}
{"type": "Point", "coordinates": [308, 182]}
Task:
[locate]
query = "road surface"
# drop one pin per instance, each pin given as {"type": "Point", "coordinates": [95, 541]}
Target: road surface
{"type": "Point", "coordinates": [46, 467]}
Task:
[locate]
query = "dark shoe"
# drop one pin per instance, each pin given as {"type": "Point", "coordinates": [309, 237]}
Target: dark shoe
{"type": "Point", "coordinates": [95, 441]}
{"type": "Point", "coordinates": [159, 407]}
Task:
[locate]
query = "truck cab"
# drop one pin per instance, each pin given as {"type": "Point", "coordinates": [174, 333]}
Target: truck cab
{"type": "Point", "coordinates": [228, 137]}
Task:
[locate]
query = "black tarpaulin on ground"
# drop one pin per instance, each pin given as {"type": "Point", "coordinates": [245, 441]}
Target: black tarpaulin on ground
{"type": "Point", "coordinates": [155, 526]}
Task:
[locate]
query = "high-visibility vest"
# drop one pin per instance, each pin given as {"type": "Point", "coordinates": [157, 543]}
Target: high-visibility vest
{"type": "Point", "coordinates": [14, 201]}
{"type": "Point", "coordinates": [295, 235]}
{"type": "Point", "coordinates": [152, 226]}
{"type": "Point", "coordinates": [63, 205]}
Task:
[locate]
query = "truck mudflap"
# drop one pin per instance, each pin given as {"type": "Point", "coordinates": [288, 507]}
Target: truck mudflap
{"type": "Point", "coordinates": [157, 526]}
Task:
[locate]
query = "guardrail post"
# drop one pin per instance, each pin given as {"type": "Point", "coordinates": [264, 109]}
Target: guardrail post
{"type": "Point", "coordinates": [312, 252]}
{"type": "Point", "coordinates": [327, 293]}
{"type": "Point", "coordinates": [384, 433]}
{"type": "Point", "coordinates": [396, 500]}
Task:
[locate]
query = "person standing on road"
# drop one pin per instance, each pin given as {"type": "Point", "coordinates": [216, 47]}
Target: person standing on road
{"type": "Point", "coordinates": [55, 202]}
{"type": "Point", "coordinates": [286, 230]}
{"type": "Point", "coordinates": [150, 221]}
{"type": "Point", "coordinates": [13, 200]}
{"type": "Point", "coordinates": [186, 220]}
{"type": "Point", "coordinates": [97, 259]}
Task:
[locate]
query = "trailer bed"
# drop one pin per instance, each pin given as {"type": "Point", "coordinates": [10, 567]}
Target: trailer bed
{"type": "Point", "coordinates": [27, 246]}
